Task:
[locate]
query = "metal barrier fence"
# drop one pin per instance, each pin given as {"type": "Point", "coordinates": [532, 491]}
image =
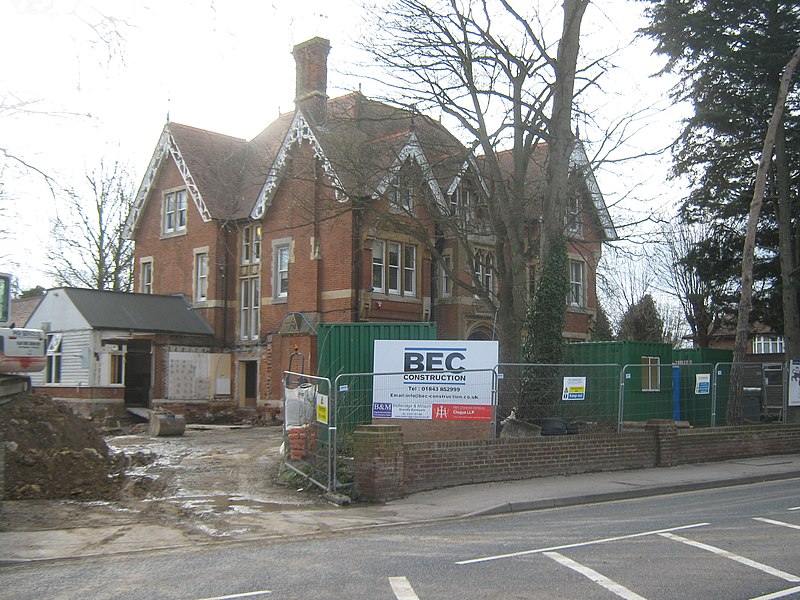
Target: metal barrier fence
{"type": "Point", "coordinates": [413, 395]}
{"type": "Point", "coordinates": [319, 418]}
{"type": "Point", "coordinates": [309, 429]}
{"type": "Point", "coordinates": [587, 394]}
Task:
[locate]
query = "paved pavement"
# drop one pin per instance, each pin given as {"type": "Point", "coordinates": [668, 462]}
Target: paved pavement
{"type": "Point", "coordinates": [449, 503]}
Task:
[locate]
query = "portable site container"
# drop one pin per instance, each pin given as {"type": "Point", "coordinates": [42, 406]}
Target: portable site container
{"type": "Point", "coordinates": [696, 402]}
{"type": "Point", "coordinates": [349, 348]}
{"type": "Point", "coordinates": [646, 376]}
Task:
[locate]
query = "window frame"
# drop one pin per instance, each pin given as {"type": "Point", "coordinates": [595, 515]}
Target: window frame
{"type": "Point", "coordinates": [651, 365]}
{"type": "Point", "coordinates": [281, 247]}
{"type": "Point", "coordinates": [250, 308]}
{"type": "Point", "coordinates": [577, 286]}
{"type": "Point", "coordinates": [251, 245]}
{"type": "Point", "coordinates": [146, 276]}
{"type": "Point", "coordinates": [201, 272]}
{"type": "Point", "coordinates": [174, 212]}
{"type": "Point", "coordinates": [53, 355]}
{"type": "Point", "coordinates": [390, 266]}
{"type": "Point", "coordinates": [769, 344]}
{"type": "Point", "coordinates": [484, 270]}
{"type": "Point", "coordinates": [445, 281]}
{"type": "Point", "coordinates": [379, 265]}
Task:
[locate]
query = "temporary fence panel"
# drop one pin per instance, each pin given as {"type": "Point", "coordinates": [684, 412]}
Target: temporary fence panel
{"type": "Point", "coordinates": [587, 393]}
{"type": "Point", "coordinates": [309, 428]}
{"type": "Point", "coordinates": [465, 395]}
{"type": "Point", "coordinates": [763, 391]}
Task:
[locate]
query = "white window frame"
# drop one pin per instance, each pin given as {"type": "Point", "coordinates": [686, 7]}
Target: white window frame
{"type": "Point", "coordinates": [250, 311]}
{"type": "Point", "coordinates": [573, 216]}
{"type": "Point", "coordinates": [768, 344]}
{"type": "Point", "coordinates": [251, 244]}
{"type": "Point", "coordinates": [445, 281]}
{"type": "Point", "coordinates": [54, 355]}
{"type": "Point", "coordinates": [281, 248]}
{"type": "Point", "coordinates": [577, 283]}
{"type": "Point", "coordinates": [651, 373]}
{"type": "Point", "coordinates": [392, 271]}
{"type": "Point", "coordinates": [378, 266]}
{"type": "Point", "coordinates": [174, 212]}
{"type": "Point", "coordinates": [402, 192]}
{"type": "Point", "coordinates": [409, 270]}
{"type": "Point", "coordinates": [201, 275]}
{"type": "Point", "coordinates": [146, 276]}
{"type": "Point", "coordinates": [394, 259]}
{"type": "Point", "coordinates": [484, 270]}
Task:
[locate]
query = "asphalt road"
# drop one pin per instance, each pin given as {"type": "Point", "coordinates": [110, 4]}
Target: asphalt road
{"type": "Point", "coordinates": [730, 543]}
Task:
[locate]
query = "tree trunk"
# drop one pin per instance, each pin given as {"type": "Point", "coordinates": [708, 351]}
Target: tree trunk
{"type": "Point", "coordinates": [734, 412]}
{"type": "Point", "coordinates": [790, 270]}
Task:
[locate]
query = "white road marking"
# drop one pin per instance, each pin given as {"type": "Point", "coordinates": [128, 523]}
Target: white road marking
{"type": "Point", "coordinates": [795, 508]}
{"type": "Point", "coordinates": [781, 594]}
{"type": "Point", "coordinates": [735, 557]}
{"type": "Point", "coordinates": [578, 545]}
{"type": "Point", "coordinates": [611, 586]}
{"type": "Point", "coordinates": [245, 595]}
{"type": "Point", "coordinates": [402, 589]}
{"type": "Point", "coordinates": [781, 523]}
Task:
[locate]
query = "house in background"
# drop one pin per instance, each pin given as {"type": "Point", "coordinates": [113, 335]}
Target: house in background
{"type": "Point", "coordinates": [326, 216]}
{"type": "Point", "coordinates": [109, 351]}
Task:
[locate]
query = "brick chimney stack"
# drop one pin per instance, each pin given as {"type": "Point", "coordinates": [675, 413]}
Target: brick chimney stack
{"type": "Point", "coordinates": [311, 59]}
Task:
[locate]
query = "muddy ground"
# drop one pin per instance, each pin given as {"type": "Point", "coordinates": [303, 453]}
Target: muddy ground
{"type": "Point", "coordinates": [213, 480]}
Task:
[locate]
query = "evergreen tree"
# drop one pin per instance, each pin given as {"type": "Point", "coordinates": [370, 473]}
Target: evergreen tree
{"type": "Point", "coordinates": [642, 322]}
{"type": "Point", "coordinates": [730, 55]}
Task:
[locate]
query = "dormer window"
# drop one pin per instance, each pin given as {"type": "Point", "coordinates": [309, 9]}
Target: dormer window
{"type": "Point", "coordinates": [174, 212]}
{"type": "Point", "coordinates": [466, 203]}
{"type": "Point", "coordinates": [402, 190]}
{"type": "Point", "coordinates": [572, 217]}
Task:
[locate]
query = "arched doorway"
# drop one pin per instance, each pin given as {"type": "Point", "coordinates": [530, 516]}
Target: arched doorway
{"type": "Point", "coordinates": [480, 333]}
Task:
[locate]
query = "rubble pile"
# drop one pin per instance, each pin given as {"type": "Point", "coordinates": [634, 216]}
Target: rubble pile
{"type": "Point", "coordinates": [50, 452]}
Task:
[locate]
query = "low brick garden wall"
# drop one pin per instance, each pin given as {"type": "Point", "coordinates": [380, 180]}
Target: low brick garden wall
{"type": "Point", "coordinates": [386, 467]}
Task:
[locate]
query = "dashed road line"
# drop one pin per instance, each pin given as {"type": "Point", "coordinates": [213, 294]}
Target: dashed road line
{"type": "Point", "coordinates": [735, 557]}
{"type": "Point", "coordinates": [244, 595]}
{"type": "Point", "coordinates": [781, 594]}
{"type": "Point", "coordinates": [402, 589]}
{"type": "Point", "coordinates": [774, 522]}
{"type": "Point", "coordinates": [598, 578]}
{"type": "Point", "coordinates": [472, 561]}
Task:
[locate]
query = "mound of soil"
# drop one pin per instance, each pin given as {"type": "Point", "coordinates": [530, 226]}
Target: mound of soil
{"type": "Point", "coordinates": [50, 452]}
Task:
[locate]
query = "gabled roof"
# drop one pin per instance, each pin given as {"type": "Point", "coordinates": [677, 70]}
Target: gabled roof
{"type": "Point", "coordinates": [137, 312]}
{"type": "Point", "coordinates": [361, 143]}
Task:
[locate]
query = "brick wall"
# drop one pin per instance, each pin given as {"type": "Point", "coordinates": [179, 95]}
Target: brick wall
{"type": "Point", "coordinates": [387, 468]}
{"type": "Point", "coordinates": [705, 445]}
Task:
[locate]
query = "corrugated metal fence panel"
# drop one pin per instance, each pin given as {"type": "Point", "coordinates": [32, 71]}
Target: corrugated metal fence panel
{"type": "Point", "coordinates": [348, 347]}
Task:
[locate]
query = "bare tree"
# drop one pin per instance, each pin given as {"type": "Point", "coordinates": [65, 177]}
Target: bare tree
{"type": "Point", "coordinates": [87, 246]}
{"type": "Point", "coordinates": [678, 269]}
{"type": "Point", "coordinates": [486, 66]}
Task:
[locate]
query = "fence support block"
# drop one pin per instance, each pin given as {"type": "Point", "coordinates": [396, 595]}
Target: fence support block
{"type": "Point", "coordinates": [666, 434]}
{"type": "Point", "coordinates": [378, 462]}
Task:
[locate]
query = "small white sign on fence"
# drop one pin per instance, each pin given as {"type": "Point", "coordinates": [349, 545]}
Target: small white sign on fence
{"type": "Point", "coordinates": [702, 384]}
{"type": "Point", "coordinates": [574, 388]}
{"type": "Point", "coordinates": [794, 383]}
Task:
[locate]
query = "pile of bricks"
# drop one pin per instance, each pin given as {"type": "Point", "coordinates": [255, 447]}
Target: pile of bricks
{"type": "Point", "coordinates": [302, 440]}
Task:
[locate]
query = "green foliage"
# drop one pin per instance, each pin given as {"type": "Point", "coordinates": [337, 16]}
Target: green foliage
{"type": "Point", "coordinates": [544, 341]}
{"type": "Point", "coordinates": [602, 327]}
{"type": "Point", "coordinates": [730, 55]}
{"type": "Point", "coordinates": [642, 322]}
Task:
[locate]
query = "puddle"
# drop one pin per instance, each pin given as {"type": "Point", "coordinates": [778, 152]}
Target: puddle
{"type": "Point", "coordinates": [224, 503]}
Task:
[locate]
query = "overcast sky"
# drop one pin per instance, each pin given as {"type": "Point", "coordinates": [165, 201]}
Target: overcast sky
{"type": "Point", "coordinates": [225, 66]}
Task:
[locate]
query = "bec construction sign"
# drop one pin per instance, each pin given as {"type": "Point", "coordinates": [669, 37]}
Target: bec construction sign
{"type": "Point", "coordinates": [445, 380]}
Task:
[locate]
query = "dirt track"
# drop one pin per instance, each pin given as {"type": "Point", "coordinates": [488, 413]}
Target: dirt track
{"type": "Point", "coordinates": [211, 481]}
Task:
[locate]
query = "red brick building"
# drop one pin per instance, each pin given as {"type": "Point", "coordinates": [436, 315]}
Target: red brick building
{"type": "Point", "coordinates": [329, 215]}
